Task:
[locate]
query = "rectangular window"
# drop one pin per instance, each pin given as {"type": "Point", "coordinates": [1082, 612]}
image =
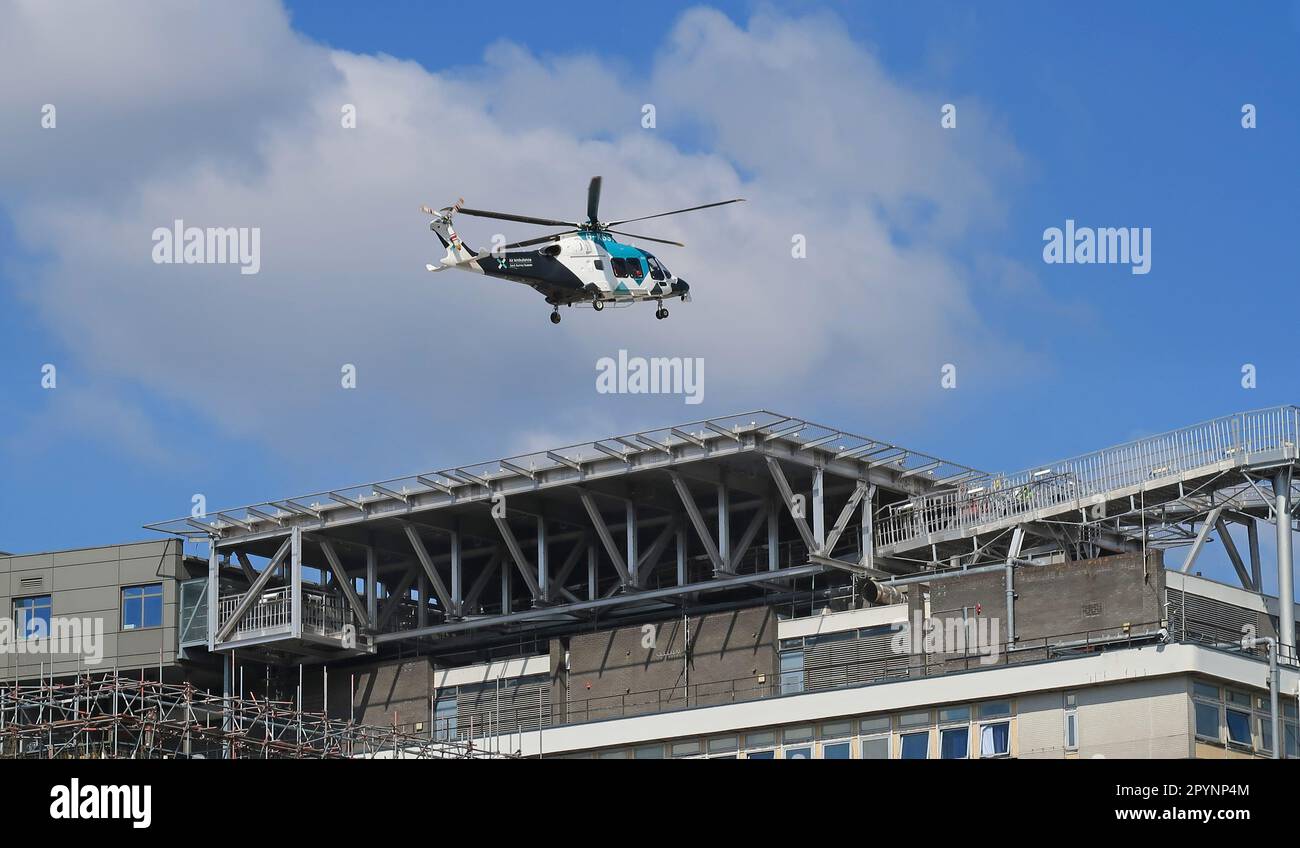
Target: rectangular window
{"type": "Point", "coordinates": [764, 739]}
{"type": "Point", "coordinates": [954, 714]}
{"type": "Point", "coordinates": [1207, 721]}
{"type": "Point", "coordinates": [1205, 690]}
{"type": "Point", "coordinates": [445, 712]}
{"type": "Point", "coordinates": [634, 268]}
{"type": "Point", "coordinates": [995, 739]}
{"type": "Point", "coordinates": [723, 745]}
{"type": "Point", "coordinates": [836, 750]}
{"type": "Point", "coordinates": [1266, 733]}
{"type": "Point", "coordinates": [954, 743]}
{"type": "Point", "coordinates": [915, 746]}
{"type": "Point", "coordinates": [761, 755]}
{"type": "Point", "coordinates": [1238, 727]}
{"type": "Point", "coordinates": [802, 753]}
{"type": "Point", "coordinates": [791, 672]}
{"type": "Point", "coordinates": [619, 266]}
{"type": "Point", "coordinates": [649, 752]}
{"type": "Point", "coordinates": [914, 719]}
{"type": "Point", "coordinates": [795, 735]}
{"type": "Point", "coordinates": [837, 730]}
{"type": "Point", "coordinates": [874, 725]}
{"type": "Point", "coordinates": [32, 616]}
{"type": "Point", "coordinates": [1071, 722]}
{"type": "Point", "coordinates": [141, 606]}
{"type": "Point", "coordinates": [1289, 734]}
{"type": "Point", "coordinates": [875, 748]}
{"type": "Point", "coordinates": [995, 709]}
{"type": "Point", "coordinates": [687, 749]}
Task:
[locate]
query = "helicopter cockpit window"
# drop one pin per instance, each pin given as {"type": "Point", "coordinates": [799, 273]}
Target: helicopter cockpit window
{"type": "Point", "coordinates": [657, 271]}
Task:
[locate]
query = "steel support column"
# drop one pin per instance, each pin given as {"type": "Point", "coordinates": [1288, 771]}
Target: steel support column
{"type": "Point", "coordinates": [1285, 589]}
{"type": "Point", "coordinates": [372, 587]}
{"type": "Point", "coordinates": [295, 583]}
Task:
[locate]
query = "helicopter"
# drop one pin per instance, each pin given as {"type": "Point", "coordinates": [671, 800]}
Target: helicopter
{"type": "Point", "coordinates": [580, 266]}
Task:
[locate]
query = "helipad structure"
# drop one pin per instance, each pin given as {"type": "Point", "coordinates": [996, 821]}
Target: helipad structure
{"type": "Point", "coordinates": [755, 585]}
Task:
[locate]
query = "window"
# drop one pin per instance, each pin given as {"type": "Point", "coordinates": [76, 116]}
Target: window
{"type": "Point", "coordinates": [1238, 727]}
{"type": "Point", "coordinates": [1207, 721]}
{"type": "Point", "coordinates": [994, 709]}
{"type": "Point", "coordinates": [837, 730]}
{"type": "Point", "coordinates": [687, 749]}
{"type": "Point", "coordinates": [656, 270]}
{"type": "Point", "coordinates": [444, 717]}
{"type": "Point", "coordinates": [875, 748]}
{"type": "Point", "coordinates": [619, 266]}
{"type": "Point", "coordinates": [995, 739]}
{"type": "Point", "coordinates": [954, 743]}
{"type": "Point", "coordinates": [915, 746]}
{"type": "Point", "coordinates": [836, 750]}
{"type": "Point", "coordinates": [914, 719]}
{"type": "Point", "coordinates": [142, 606]}
{"type": "Point", "coordinates": [634, 268]}
{"type": "Point", "coordinates": [874, 725]}
{"type": "Point", "coordinates": [724, 745]}
{"type": "Point", "coordinates": [764, 739]}
{"type": "Point", "coordinates": [791, 672]}
{"type": "Point", "coordinates": [953, 715]}
{"type": "Point", "coordinates": [1205, 690]}
{"type": "Point", "coordinates": [32, 616]}
{"type": "Point", "coordinates": [649, 752]}
{"type": "Point", "coordinates": [612, 755]}
{"type": "Point", "coordinates": [798, 743]}
{"type": "Point", "coordinates": [600, 264]}
{"type": "Point", "coordinates": [1071, 722]}
{"type": "Point", "coordinates": [761, 755]}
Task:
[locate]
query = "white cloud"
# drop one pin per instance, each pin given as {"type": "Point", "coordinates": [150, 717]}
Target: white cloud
{"type": "Point", "coordinates": [224, 117]}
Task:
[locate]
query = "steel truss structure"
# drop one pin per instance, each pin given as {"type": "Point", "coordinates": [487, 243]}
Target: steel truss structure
{"type": "Point", "coordinates": [115, 717]}
{"type": "Point", "coordinates": [734, 509]}
{"type": "Point", "coordinates": [731, 508]}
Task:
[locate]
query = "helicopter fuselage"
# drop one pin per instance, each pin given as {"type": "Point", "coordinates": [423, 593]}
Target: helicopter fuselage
{"type": "Point", "coordinates": [583, 268]}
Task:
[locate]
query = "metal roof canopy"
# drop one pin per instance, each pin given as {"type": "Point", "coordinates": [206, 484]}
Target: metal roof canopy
{"type": "Point", "coordinates": [795, 439]}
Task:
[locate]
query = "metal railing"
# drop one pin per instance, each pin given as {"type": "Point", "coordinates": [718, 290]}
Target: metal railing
{"type": "Point", "coordinates": [863, 672]}
{"type": "Point", "coordinates": [322, 613]}
{"type": "Point", "coordinates": [1233, 440]}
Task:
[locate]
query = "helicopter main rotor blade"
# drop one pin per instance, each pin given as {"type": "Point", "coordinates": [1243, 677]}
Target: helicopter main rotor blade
{"type": "Point", "coordinates": [541, 240]}
{"type": "Point", "coordinates": [593, 200]}
{"type": "Point", "coordinates": [646, 238]}
{"type": "Point", "coordinates": [674, 212]}
{"type": "Point", "coordinates": [523, 219]}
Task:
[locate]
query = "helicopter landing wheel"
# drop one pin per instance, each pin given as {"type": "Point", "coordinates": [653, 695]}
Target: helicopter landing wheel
{"type": "Point", "coordinates": [661, 313]}
{"type": "Point", "coordinates": [555, 317]}
{"type": "Point", "coordinates": [598, 305]}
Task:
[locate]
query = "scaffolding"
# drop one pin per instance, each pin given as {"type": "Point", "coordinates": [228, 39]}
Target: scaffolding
{"type": "Point", "coordinates": [115, 717]}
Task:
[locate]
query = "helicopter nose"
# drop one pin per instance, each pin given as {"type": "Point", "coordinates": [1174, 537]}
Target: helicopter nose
{"type": "Point", "coordinates": [680, 286]}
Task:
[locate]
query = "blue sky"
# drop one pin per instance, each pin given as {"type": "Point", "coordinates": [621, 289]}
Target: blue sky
{"type": "Point", "coordinates": [1111, 114]}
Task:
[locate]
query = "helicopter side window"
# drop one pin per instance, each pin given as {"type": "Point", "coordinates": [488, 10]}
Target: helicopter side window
{"type": "Point", "coordinates": [657, 271]}
{"type": "Point", "coordinates": [620, 268]}
{"type": "Point", "coordinates": [634, 268]}
{"type": "Point", "coordinates": [600, 265]}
